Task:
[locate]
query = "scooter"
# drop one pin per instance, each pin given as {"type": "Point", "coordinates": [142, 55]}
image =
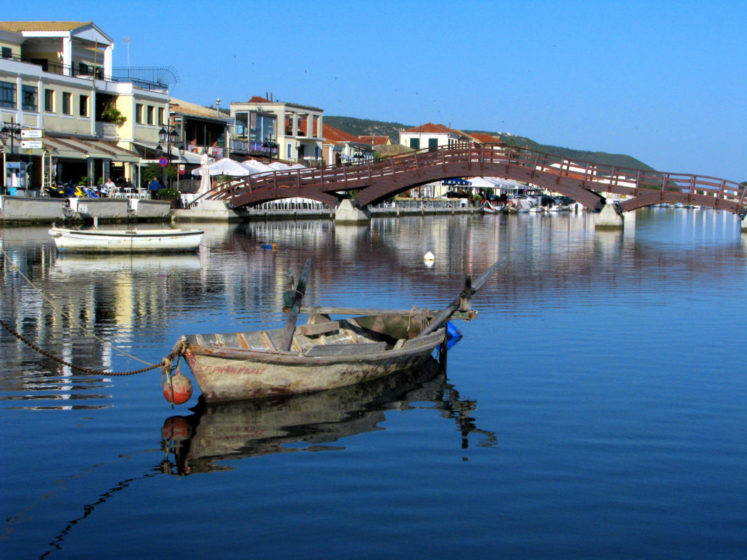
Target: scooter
{"type": "Point", "coordinates": [55, 191]}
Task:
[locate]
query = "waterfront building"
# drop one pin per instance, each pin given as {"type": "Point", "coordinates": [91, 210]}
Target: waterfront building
{"type": "Point", "coordinates": [341, 148]}
{"type": "Point", "coordinates": [432, 136]}
{"type": "Point", "coordinates": [68, 114]}
{"type": "Point", "coordinates": [199, 130]}
{"type": "Point", "coordinates": [278, 130]}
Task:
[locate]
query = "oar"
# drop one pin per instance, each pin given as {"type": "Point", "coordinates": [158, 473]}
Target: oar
{"type": "Point", "coordinates": [290, 324]}
{"type": "Point", "coordinates": [461, 301]}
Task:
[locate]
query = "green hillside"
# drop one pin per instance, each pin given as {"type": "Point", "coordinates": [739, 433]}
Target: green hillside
{"type": "Point", "coordinates": [366, 127]}
{"type": "Point", "coordinates": [602, 158]}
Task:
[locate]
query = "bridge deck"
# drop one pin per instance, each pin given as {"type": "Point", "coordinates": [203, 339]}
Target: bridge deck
{"type": "Point", "coordinates": [582, 181]}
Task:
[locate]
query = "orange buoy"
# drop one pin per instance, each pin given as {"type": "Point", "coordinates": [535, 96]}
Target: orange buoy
{"type": "Point", "coordinates": [176, 428]}
{"type": "Point", "coordinates": [178, 390]}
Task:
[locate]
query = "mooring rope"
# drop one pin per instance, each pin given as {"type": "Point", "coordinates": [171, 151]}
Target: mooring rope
{"type": "Point", "coordinates": [165, 363]}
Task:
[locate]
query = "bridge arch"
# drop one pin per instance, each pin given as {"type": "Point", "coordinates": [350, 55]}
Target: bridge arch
{"type": "Point", "coordinates": [581, 181]}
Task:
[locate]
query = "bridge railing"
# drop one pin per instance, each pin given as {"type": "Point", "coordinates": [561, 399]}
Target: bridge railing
{"type": "Point", "coordinates": [474, 157]}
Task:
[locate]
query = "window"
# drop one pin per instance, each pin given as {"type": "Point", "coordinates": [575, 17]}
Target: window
{"type": "Point", "coordinates": [150, 114]}
{"type": "Point", "coordinates": [415, 143]}
{"type": "Point", "coordinates": [29, 99]}
{"type": "Point", "coordinates": [160, 116]}
{"type": "Point", "coordinates": [49, 100]}
{"type": "Point", "coordinates": [67, 103]}
{"type": "Point", "coordinates": [7, 52]}
{"type": "Point", "coordinates": [8, 94]}
{"type": "Point", "coordinates": [432, 144]}
{"type": "Point", "coordinates": [139, 113]}
{"type": "Point", "coordinates": [289, 151]}
{"type": "Point", "coordinates": [83, 106]}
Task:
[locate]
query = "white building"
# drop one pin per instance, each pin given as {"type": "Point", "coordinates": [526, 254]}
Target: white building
{"type": "Point", "coordinates": [279, 130]}
{"type": "Point", "coordinates": [58, 85]}
{"type": "Point", "coordinates": [431, 136]}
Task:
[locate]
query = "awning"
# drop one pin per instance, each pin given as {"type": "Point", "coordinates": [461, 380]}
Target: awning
{"type": "Point", "coordinates": [76, 148]}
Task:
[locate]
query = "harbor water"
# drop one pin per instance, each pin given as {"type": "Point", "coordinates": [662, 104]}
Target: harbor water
{"type": "Point", "coordinates": [595, 408]}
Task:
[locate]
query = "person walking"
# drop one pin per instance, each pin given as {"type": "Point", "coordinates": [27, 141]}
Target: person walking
{"type": "Point", "coordinates": [154, 186]}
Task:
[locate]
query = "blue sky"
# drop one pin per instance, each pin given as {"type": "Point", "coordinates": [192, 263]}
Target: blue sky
{"type": "Point", "coordinates": [663, 81]}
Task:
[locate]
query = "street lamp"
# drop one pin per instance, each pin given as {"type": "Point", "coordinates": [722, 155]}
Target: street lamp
{"type": "Point", "coordinates": [167, 135]}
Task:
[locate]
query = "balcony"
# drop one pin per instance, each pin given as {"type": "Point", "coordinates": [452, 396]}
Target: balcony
{"type": "Point", "coordinates": [147, 78]}
{"type": "Point", "coordinates": [107, 131]}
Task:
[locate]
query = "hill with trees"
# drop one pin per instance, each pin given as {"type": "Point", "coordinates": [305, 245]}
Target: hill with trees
{"type": "Point", "coordinates": [367, 127]}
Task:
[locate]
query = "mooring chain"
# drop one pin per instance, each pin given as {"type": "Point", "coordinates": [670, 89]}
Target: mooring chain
{"type": "Point", "coordinates": [19, 336]}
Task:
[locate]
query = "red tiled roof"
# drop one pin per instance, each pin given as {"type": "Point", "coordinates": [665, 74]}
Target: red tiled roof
{"type": "Point", "coordinates": [375, 140]}
{"type": "Point", "coordinates": [433, 128]}
{"type": "Point", "coordinates": [259, 99]}
{"type": "Point", "coordinates": [332, 134]}
{"type": "Point", "coordinates": [484, 137]}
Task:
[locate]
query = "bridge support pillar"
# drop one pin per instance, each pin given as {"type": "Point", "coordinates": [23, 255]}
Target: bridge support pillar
{"type": "Point", "coordinates": [744, 224]}
{"type": "Point", "coordinates": [609, 218]}
{"type": "Point", "coordinates": [346, 213]}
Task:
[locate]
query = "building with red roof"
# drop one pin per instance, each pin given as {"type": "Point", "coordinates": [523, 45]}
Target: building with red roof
{"type": "Point", "coordinates": [376, 140]}
{"type": "Point", "coordinates": [432, 136]}
{"type": "Point", "coordinates": [341, 148]}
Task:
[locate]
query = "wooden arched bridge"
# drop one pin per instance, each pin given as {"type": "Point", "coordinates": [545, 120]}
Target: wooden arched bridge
{"type": "Point", "coordinates": [581, 181]}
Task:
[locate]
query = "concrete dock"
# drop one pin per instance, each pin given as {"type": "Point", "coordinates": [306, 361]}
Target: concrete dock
{"type": "Point", "coordinates": [22, 211]}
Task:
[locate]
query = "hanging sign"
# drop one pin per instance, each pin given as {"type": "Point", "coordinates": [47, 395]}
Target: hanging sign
{"type": "Point", "coordinates": [31, 133]}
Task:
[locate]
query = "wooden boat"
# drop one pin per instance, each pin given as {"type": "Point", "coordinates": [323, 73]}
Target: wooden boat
{"type": "Point", "coordinates": [125, 240]}
{"type": "Point", "coordinates": [323, 354]}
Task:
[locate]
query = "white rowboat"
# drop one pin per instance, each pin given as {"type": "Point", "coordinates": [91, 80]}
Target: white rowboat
{"type": "Point", "coordinates": [125, 241]}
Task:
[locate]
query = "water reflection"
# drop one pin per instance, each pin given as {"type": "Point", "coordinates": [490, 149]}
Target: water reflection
{"type": "Point", "coordinates": [201, 442]}
{"type": "Point", "coordinates": [67, 266]}
{"type": "Point", "coordinates": [83, 307]}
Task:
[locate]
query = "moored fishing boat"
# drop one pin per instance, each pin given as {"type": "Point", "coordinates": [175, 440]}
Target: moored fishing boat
{"type": "Point", "coordinates": [325, 353]}
{"type": "Point", "coordinates": [125, 240]}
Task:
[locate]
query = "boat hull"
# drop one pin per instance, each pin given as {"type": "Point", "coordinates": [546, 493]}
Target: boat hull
{"type": "Point", "coordinates": [226, 374]}
{"type": "Point", "coordinates": [126, 241]}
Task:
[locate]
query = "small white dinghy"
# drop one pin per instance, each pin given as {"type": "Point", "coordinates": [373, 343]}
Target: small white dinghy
{"type": "Point", "coordinates": [125, 240]}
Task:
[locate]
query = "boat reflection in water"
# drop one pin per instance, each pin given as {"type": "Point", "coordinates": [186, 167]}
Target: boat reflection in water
{"type": "Point", "coordinates": [308, 422]}
{"type": "Point", "coordinates": [72, 264]}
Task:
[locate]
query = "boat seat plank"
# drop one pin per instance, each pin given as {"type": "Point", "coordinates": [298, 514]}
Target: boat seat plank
{"type": "Point", "coordinates": [345, 349]}
{"type": "Point", "coordinates": [318, 328]}
{"type": "Point", "coordinates": [268, 341]}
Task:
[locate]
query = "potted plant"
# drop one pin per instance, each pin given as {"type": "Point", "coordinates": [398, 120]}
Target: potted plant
{"type": "Point", "coordinates": [111, 114]}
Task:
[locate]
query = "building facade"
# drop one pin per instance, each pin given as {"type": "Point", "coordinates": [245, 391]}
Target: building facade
{"type": "Point", "coordinates": [66, 116]}
{"type": "Point", "coordinates": [278, 130]}
{"type": "Point", "coordinates": [431, 136]}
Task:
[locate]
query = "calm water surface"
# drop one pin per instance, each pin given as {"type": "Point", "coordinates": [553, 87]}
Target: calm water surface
{"type": "Point", "coordinates": [596, 409]}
